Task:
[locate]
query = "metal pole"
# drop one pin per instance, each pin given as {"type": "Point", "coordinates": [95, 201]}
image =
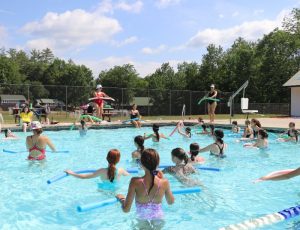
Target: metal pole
{"type": "Point", "coordinates": [190, 103]}
{"type": "Point", "coordinates": [66, 100]}
{"type": "Point", "coordinates": [28, 93]}
{"type": "Point", "coordinates": [148, 103]}
{"type": "Point", "coordinates": [170, 102]}
{"type": "Point", "coordinates": [122, 103]}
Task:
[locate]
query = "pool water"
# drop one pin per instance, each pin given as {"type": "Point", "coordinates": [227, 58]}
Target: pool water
{"type": "Point", "coordinates": [229, 196]}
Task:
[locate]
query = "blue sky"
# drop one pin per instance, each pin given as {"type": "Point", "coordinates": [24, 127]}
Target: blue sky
{"type": "Point", "coordinates": [145, 33]}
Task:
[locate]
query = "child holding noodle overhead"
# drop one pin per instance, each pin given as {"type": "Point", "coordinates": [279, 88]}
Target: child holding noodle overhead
{"type": "Point", "coordinates": [148, 191]}
{"type": "Point", "coordinates": [110, 174]}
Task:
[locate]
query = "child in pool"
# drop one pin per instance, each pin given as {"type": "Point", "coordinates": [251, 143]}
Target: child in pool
{"type": "Point", "coordinates": [261, 142]}
{"type": "Point", "coordinates": [187, 133]}
{"type": "Point", "coordinates": [248, 131]}
{"type": "Point", "coordinates": [139, 144]}
{"type": "Point", "coordinates": [235, 128]}
{"type": "Point", "coordinates": [194, 151]}
{"type": "Point", "coordinates": [111, 173]}
{"type": "Point", "coordinates": [9, 134]}
{"type": "Point", "coordinates": [83, 128]}
{"type": "Point", "coordinates": [156, 135]}
{"type": "Point", "coordinates": [149, 190]}
{"type": "Point", "coordinates": [292, 133]}
{"type": "Point", "coordinates": [255, 125]}
{"type": "Point", "coordinates": [216, 148]}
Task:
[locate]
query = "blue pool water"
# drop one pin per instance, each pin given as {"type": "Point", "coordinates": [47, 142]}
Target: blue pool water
{"type": "Point", "coordinates": [28, 202]}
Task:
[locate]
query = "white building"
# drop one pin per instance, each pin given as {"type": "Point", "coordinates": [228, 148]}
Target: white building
{"type": "Point", "coordinates": [294, 84]}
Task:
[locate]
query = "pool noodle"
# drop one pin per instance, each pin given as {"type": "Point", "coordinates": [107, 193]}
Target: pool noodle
{"type": "Point", "coordinates": [129, 120]}
{"type": "Point", "coordinates": [11, 151]}
{"type": "Point", "coordinates": [112, 201]}
{"type": "Point", "coordinates": [63, 175]}
{"type": "Point", "coordinates": [102, 98]}
{"type": "Point", "coordinates": [196, 166]}
{"type": "Point", "coordinates": [265, 220]}
{"type": "Point", "coordinates": [72, 127]}
{"type": "Point", "coordinates": [209, 99]}
{"type": "Point", "coordinates": [92, 117]}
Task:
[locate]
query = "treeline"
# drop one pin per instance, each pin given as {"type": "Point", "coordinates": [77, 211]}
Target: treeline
{"type": "Point", "coordinates": [268, 63]}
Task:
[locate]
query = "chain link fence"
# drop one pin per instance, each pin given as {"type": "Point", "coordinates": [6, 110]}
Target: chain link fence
{"type": "Point", "coordinates": [151, 102]}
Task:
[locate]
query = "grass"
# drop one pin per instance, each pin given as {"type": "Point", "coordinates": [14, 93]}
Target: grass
{"type": "Point", "coordinates": [64, 117]}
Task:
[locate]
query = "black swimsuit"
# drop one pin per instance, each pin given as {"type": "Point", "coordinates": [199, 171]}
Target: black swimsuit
{"type": "Point", "coordinates": [210, 95]}
{"type": "Point", "coordinates": [221, 154]}
{"type": "Point", "coordinates": [135, 115]}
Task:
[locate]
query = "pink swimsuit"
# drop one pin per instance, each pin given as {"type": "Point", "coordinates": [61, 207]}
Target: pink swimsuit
{"type": "Point", "coordinates": [40, 157]}
{"type": "Point", "coordinates": [150, 210]}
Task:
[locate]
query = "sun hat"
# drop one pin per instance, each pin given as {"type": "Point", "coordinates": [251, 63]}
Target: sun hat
{"type": "Point", "coordinates": [212, 86]}
{"type": "Point", "coordinates": [99, 86]}
{"type": "Point", "coordinates": [36, 125]}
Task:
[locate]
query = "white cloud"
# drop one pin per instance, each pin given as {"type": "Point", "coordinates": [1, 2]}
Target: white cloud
{"type": "Point", "coordinates": [250, 30]}
{"type": "Point", "coordinates": [159, 49]}
{"type": "Point", "coordinates": [134, 7]}
{"type": "Point", "coordinates": [125, 42]}
{"type": "Point", "coordinates": [166, 3]}
{"type": "Point", "coordinates": [143, 68]}
{"type": "Point", "coordinates": [108, 6]}
{"type": "Point", "coordinates": [71, 29]}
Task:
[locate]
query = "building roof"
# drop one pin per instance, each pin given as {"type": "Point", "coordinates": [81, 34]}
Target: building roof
{"type": "Point", "coordinates": [47, 101]}
{"type": "Point", "coordinates": [294, 81]}
{"type": "Point", "coordinates": [10, 97]}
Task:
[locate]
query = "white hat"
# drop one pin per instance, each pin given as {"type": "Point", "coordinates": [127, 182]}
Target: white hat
{"type": "Point", "coordinates": [212, 86]}
{"type": "Point", "coordinates": [99, 86]}
{"type": "Point", "coordinates": [36, 125]}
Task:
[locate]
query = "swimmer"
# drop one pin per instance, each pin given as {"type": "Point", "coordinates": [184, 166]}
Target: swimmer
{"type": "Point", "coordinates": [235, 128]}
{"type": "Point", "coordinates": [109, 174]}
{"type": "Point", "coordinates": [284, 176]}
{"type": "Point", "coordinates": [83, 128]}
{"type": "Point", "coordinates": [187, 133]}
{"type": "Point", "coordinates": [200, 122]}
{"type": "Point", "coordinates": [148, 191]}
{"type": "Point", "coordinates": [255, 125]}
{"type": "Point", "coordinates": [292, 133]}
{"type": "Point", "coordinates": [216, 148]}
{"type": "Point", "coordinates": [261, 142]}
{"type": "Point", "coordinates": [156, 135]}
{"type": "Point", "coordinates": [139, 144]}
{"type": "Point", "coordinates": [9, 134]}
{"type": "Point", "coordinates": [194, 151]}
{"type": "Point", "coordinates": [36, 144]}
{"type": "Point", "coordinates": [248, 131]}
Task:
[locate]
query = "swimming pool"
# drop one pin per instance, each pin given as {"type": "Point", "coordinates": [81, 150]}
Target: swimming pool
{"type": "Point", "coordinates": [28, 202]}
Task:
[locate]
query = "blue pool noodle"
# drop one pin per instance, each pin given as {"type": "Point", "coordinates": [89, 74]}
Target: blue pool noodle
{"type": "Point", "coordinates": [89, 207]}
{"type": "Point", "coordinates": [63, 175]}
{"type": "Point", "coordinates": [133, 119]}
{"type": "Point", "coordinates": [196, 166]}
{"type": "Point", "coordinates": [290, 212]}
{"type": "Point", "coordinates": [11, 151]}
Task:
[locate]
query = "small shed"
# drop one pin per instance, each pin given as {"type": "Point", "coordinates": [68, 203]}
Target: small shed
{"type": "Point", "coordinates": [141, 101]}
{"type": "Point", "coordinates": [294, 84]}
{"type": "Point", "coordinates": [9, 100]}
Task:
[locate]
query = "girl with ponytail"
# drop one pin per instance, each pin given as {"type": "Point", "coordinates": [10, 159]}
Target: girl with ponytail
{"type": "Point", "coordinates": [182, 166]}
{"type": "Point", "coordinates": [261, 142]}
{"type": "Point", "coordinates": [110, 174]}
{"type": "Point", "coordinates": [148, 191]}
{"type": "Point", "coordinates": [194, 151]}
{"type": "Point", "coordinates": [156, 135]}
{"type": "Point", "coordinates": [216, 148]}
{"type": "Point", "coordinates": [139, 144]}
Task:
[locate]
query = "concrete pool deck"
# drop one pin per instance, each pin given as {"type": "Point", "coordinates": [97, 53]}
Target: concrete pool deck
{"type": "Point", "coordinates": [268, 123]}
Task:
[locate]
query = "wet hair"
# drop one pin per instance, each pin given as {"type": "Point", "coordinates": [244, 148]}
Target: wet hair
{"type": "Point", "coordinates": [113, 158]}
{"type": "Point", "coordinates": [155, 128]}
{"type": "Point", "coordinates": [139, 140]}
{"type": "Point", "coordinates": [219, 135]}
{"type": "Point", "coordinates": [82, 122]}
{"type": "Point", "coordinates": [256, 122]}
{"type": "Point", "coordinates": [234, 123]}
{"type": "Point", "coordinates": [204, 127]}
{"type": "Point", "coordinates": [6, 132]}
{"type": "Point", "coordinates": [180, 154]}
{"type": "Point", "coordinates": [150, 160]}
{"type": "Point", "coordinates": [247, 122]}
{"type": "Point", "coordinates": [194, 150]}
{"type": "Point", "coordinates": [292, 124]}
{"type": "Point", "coordinates": [263, 133]}
{"type": "Point", "coordinates": [188, 130]}
{"type": "Point", "coordinates": [212, 129]}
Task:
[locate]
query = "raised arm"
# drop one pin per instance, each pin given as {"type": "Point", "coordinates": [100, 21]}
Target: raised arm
{"type": "Point", "coordinates": [286, 176]}
{"type": "Point", "coordinates": [85, 176]}
{"type": "Point", "coordinates": [147, 137]}
{"type": "Point", "coordinates": [206, 149]}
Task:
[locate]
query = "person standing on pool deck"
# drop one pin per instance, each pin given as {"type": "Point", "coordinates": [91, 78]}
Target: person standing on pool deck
{"type": "Point", "coordinates": [135, 114]}
{"type": "Point", "coordinates": [36, 144]}
{"type": "Point", "coordinates": [99, 101]}
{"type": "Point", "coordinates": [111, 173]}
{"type": "Point", "coordinates": [212, 104]}
{"type": "Point", "coordinates": [148, 191]}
